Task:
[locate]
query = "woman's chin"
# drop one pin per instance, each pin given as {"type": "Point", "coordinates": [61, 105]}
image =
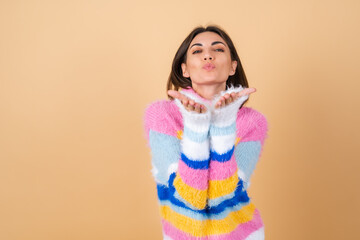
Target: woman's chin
{"type": "Point", "coordinates": [209, 82]}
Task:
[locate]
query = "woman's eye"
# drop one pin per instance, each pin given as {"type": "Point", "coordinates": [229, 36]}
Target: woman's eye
{"type": "Point", "coordinates": [196, 51]}
{"type": "Point", "coordinates": [219, 50]}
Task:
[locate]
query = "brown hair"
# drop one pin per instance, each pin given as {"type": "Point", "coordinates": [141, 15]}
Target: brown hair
{"type": "Point", "coordinates": [177, 80]}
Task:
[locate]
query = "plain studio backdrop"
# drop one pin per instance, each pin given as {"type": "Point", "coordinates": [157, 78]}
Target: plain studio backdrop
{"type": "Point", "coordinates": [76, 76]}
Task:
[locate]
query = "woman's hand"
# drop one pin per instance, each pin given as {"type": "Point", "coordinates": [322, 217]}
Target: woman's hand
{"type": "Point", "coordinates": [188, 103]}
{"type": "Point", "coordinates": [229, 98]}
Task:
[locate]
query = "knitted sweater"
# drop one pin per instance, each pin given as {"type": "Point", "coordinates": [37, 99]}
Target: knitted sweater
{"type": "Point", "coordinates": [202, 163]}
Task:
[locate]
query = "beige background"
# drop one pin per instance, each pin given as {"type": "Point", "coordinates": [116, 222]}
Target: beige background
{"type": "Point", "coordinates": [76, 76]}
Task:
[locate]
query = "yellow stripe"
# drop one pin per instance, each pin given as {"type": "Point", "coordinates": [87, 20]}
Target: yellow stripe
{"type": "Point", "coordinates": [198, 198]}
{"type": "Point", "coordinates": [195, 197]}
{"type": "Point", "coordinates": [237, 141]}
{"type": "Point", "coordinates": [219, 188]}
{"type": "Point", "coordinates": [179, 134]}
{"type": "Point", "coordinates": [208, 227]}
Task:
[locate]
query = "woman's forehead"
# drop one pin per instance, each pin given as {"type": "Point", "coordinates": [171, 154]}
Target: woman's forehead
{"type": "Point", "coordinates": [207, 37]}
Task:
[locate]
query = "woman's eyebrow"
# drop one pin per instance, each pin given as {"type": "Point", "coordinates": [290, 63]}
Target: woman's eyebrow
{"type": "Point", "coordinates": [196, 44]}
{"type": "Point", "coordinates": [214, 43]}
{"type": "Point", "coordinates": [217, 42]}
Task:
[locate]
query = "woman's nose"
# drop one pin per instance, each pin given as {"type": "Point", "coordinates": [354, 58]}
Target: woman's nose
{"type": "Point", "coordinates": [207, 56]}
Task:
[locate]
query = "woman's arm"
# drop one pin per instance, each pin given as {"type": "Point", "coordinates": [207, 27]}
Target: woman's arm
{"type": "Point", "coordinates": [183, 153]}
{"type": "Point", "coordinates": [252, 130]}
{"type": "Point", "coordinates": [191, 181]}
{"type": "Point", "coordinates": [163, 124]}
{"type": "Point", "coordinates": [223, 178]}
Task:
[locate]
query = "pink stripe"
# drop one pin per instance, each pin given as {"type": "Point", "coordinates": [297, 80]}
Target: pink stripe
{"type": "Point", "coordinates": [243, 230]}
{"type": "Point", "coordinates": [240, 233]}
{"type": "Point", "coordinates": [221, 171]}
{"type": "Point", "coordinates": [196, 178]}
{"type": "Point", "coordinates": [251, 125]}
{"type": "Point", "coordinates": [163, 117]}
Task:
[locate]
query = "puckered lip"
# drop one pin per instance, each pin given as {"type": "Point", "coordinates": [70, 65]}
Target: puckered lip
{"type": "Point", "coordinates": [209, 66]}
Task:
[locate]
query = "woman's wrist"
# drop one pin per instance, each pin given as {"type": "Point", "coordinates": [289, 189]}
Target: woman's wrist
{"type": "Point", "coordinates": [197, 122]}
{"type": "Point", "coordinates": [226, 115]}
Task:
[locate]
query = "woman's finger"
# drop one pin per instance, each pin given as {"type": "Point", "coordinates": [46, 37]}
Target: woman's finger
{"type": "Point", "coordinates": [186, 102]}
{"type": "Point", "coordinates": [189, 104]}
{"type": "Point", "coordinates": [177, 95]}
{"type": "Point", "coordinates": [192, 102]}
{"type": "Point", "coordinates": [228, 99]}
{"type": "Point", "coordinates": [197, 108]}
{"type": "Point", "coordinates": [222, 102]}
{"type": "Point", "coordinates": [203, 109]}
{"type": "Point", "coordinates": [246, 91]}
{"type": "Point", "coordinates": [219, 104]}
{"type": "Point", "coordinates": [190, 107]}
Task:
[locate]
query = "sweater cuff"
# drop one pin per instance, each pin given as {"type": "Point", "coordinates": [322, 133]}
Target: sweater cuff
{"type": "Point", "coordinates": [197, 122]}
{"type": "Point", "coordinates": [225, 116]}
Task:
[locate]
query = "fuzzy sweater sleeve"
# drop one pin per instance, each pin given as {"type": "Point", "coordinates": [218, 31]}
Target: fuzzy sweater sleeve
{"type": "Point", "coordinates": [223, 178]}
{"type": "Point", "coordinates": [179, 148]}
{"type": "Point", "coordinates": [252, 128]}
{"type": "Point", "coordinates": [163, 125]}
{"type": "Point", "coordinates": [191, 181]}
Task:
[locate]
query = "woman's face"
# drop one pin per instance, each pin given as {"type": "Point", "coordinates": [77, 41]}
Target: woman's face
{"type": "Point", "coordinates": [208, 60]}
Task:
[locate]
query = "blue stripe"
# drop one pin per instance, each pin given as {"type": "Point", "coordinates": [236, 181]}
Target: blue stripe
{"type": "Point", "coordinates": [222, 157]}
{"type": "Point", "coordinates": [220, 131]}
{"type": "Point", "coordinates": [195, 136]}
{"type": "Point", "coordinates": [195, 164]}
{"type": "Point", "coordinates": [165, 150]}
{"type": "Point", "coordinates": [247, 155]}
{"type": "Point", "coordinates": [167, 193]}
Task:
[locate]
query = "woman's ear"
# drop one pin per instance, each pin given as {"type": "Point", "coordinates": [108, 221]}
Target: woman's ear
{"type": "Point", "coordinates": [184, 71]}
{"type": "Point", "coordinates": [233, 68]}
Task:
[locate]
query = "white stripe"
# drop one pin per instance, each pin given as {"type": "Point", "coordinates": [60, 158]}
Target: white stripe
{"type": "Point", "coordinates": [154, 170]}
{"type": "Point", "coordinates": [224, 120]}
{"type": "Point", "coordinates": [200, 126]}
{"type": "Point", "coordinates": [172, 168]}
{"type": "Point", "coordinates": [222, 144]}
{"type": "Point", "coordinates": [241, 175]}
{"type": "Point", "coordinates": [257, 235]}
{"type": "Point", "coordinates": [194, 150]}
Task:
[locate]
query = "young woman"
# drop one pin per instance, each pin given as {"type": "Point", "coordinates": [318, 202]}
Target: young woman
{"type": "Point", "coordinates": [205, 144]}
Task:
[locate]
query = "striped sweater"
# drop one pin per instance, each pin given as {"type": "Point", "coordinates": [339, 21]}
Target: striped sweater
{"type": "Point", "coordinates": [202, 163]}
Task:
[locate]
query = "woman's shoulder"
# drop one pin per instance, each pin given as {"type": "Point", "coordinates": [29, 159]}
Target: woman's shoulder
{"type": "Point", "coordinates": [163, 116]}
{"type": "Point", "coordinates": [251, 125]}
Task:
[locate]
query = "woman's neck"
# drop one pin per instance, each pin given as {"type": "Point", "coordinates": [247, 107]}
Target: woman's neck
{"type": "Point", "coordinates": [209, 91]}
